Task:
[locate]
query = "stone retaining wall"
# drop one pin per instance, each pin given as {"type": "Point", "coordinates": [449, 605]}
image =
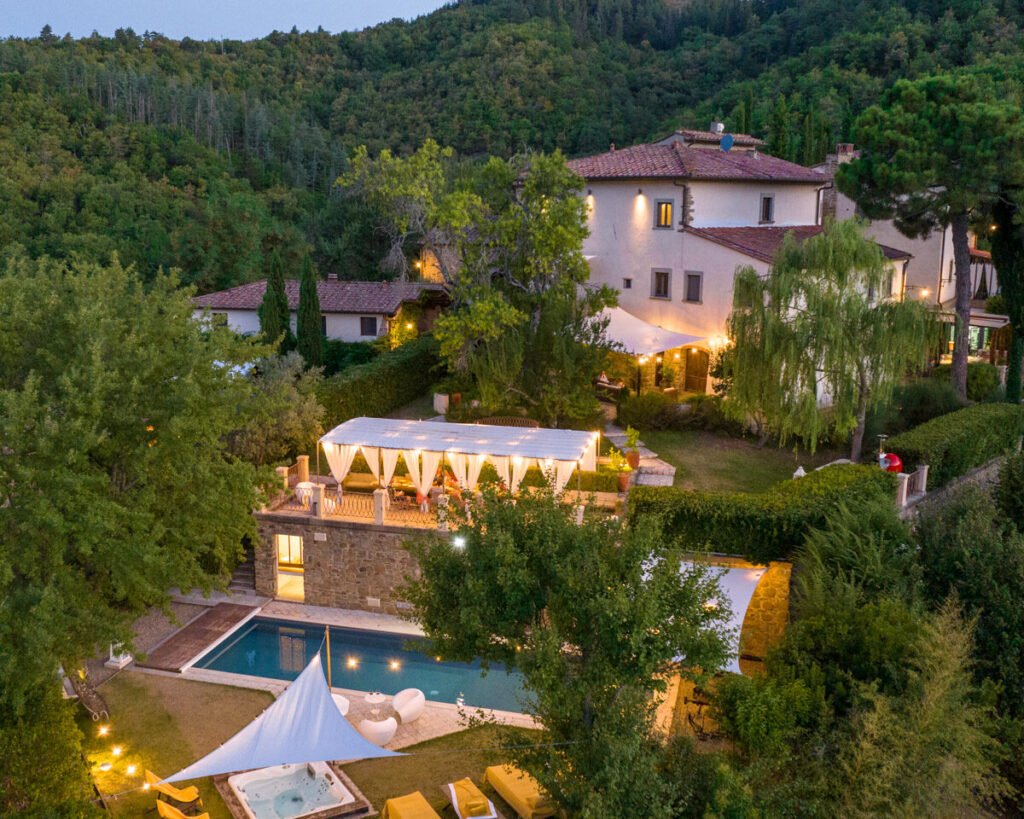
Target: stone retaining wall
{"type": "Point", "coordinates": [346, 565]}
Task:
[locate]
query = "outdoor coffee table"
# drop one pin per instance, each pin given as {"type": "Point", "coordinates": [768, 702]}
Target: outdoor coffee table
{"type": "Point", "coordinates": [375, 699]}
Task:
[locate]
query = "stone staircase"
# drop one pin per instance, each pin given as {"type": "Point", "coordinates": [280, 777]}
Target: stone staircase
{"type": "Point", "coordinates": [243, 580]}
{"type": "Point", "coordinates": [652, 470]}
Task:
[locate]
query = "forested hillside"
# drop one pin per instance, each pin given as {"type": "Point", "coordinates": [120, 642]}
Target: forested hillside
{"type": "Point", "coordinates": [202, 155]}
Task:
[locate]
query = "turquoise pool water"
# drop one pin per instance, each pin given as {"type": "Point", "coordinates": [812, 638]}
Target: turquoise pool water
{"type": "Point", "coordinates": [363, 661]}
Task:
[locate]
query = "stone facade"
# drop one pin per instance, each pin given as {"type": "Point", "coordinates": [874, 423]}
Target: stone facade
{"type": "Point", "coordinates": [767, 615]}
{"type": "Point", "coordinates": [345, 565]}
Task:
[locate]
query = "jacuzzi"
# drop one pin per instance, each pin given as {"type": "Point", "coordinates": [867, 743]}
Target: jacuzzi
{"type": "Point", "coordinates": [289, 791]}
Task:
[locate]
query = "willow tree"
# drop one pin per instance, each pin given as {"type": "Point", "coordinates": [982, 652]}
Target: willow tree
{"type": "Point", "coordinates": [819, 340]}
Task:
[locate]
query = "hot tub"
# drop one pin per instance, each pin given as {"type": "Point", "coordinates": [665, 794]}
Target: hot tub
{"type": "Point", "coordinates": [289, 791]}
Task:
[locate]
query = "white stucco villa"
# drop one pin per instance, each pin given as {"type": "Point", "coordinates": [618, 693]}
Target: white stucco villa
{"type": "Point", "coordinates": [671, 221]}
{"type": "Point", "coordinates": [350, 310]}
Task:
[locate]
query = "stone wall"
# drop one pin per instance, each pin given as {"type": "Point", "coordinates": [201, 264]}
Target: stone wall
{"type": "Point", "coordinates": [346, 565]}
{"type": "Point", "coordinates": [768, 612]}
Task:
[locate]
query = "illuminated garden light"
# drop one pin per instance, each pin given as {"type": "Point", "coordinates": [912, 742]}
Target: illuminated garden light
{"type": "Point", "coordinates": [103, 730]}
{"type": "Point", "coordinates": [116, 750]}
{"type": "Point", "coordinates": [459, 542]}
{"type": "Point", "coordinates": [131, 769]}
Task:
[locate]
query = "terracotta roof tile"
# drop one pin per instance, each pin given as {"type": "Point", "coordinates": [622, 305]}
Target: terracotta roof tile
{"type": "Point", "coordinates": [679, 161]}
{"type": "Point", "coordinates": [710, 137]}
{"type": "Point", "coordinates": [763, 242]}
{"type": "Point", "coordinates": [335, 296]}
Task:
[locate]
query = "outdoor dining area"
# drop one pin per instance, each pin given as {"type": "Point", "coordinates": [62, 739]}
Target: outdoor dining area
{"type": "Point", "coordinates": [418, 469]}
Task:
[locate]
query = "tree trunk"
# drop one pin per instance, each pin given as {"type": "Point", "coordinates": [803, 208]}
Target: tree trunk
{"type": "Point", "coordinates": [857, 442]}
{"type": "Point", "coordinates": [962, 333]}
{"type": "Point", "coordinates": [1014, 361]}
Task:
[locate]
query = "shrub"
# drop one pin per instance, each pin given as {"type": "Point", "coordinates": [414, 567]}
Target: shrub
{"type": "Point", "coordinates": [982, 379]}
{"type": "Point", "coordinates": [761, 527]}
{"type": "Point", "coordinates": [953, 444]}
{"type": "Point", "coordinates": [649, 410]}
{"type": "Point", "coordinates": [1010, 490]}
{"type": "Point", "coordinates": [383, 385]}
{"type": "Point", "coordinates": [911, 405]}
{"type": "Point", "coordinates": [706, 413]}
{"type": "Point", "coordinates": [340, 355]}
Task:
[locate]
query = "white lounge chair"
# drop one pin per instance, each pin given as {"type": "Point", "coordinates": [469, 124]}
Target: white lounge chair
{"type": "Point", "coordinates": [379, 732]}
{"type": "Point", "coordinates": [341, 702]}
{"type": "Point", "coordinates": [409, 703]}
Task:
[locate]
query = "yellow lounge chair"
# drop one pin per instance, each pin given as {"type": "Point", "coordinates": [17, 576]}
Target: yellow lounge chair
{"type": "Point", "coordinates": [469, 801]}
{"type": "Point", "coordinates": [521, 791]}
{"type": "Point", "coordinates": [183, 796]}
{"type": "Point", "coordinates": [170, 812]}
{"type": "Point", "coordinates": [411, 806]}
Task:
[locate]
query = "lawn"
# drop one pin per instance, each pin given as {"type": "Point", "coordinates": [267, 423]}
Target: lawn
{"type": "Point", "coordinates": [418, 410]}
{"type": "Point", "coordinates": [163, 724]}
{"type": "Point", "coordinates": [432, 764]}
{"type": "Point", "coordinates": [706, 460]}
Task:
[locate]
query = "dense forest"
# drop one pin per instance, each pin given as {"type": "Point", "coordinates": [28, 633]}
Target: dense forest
{"type": "Point", "coordinates": [204, 155]}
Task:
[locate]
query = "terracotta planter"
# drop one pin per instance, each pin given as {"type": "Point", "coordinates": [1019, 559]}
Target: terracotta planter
{"type": "Point", "coordinates": [623, 481]}
{"type": "Point", "coordinates": [456, 398]}
{"type": "Point", "coordinates": [633, 459]}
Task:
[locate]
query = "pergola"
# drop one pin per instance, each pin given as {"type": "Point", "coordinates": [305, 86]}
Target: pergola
{"type": "Point", "coordinates": [425, 445]}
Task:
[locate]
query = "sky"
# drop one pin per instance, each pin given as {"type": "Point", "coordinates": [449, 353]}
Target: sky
{"type": "Point", "coordinates": [201, 19]}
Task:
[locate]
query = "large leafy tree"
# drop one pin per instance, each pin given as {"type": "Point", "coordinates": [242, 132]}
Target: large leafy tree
{"type": "Point", "coordinates": [934, 154]}
{"type": "Point", "coordinates": [818, 341]}
{"type": "Point", "coordinates": [308, 330]}
{"type": "Point", "coordinates": [115, 482]}
{"type": "Point", "coordinates": [275, 317]}
{"type": "Point", "coordinates": [593, 615]}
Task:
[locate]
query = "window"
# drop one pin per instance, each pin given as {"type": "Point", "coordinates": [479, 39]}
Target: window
{"type": "Point", "coordinates": [368, 326]}
{"type": "Point", "coordinates": [694, 282]}
{"type": "Point", "coordinates": [627, 284]}
{"type": "Point", "coordinates": [660, 284]}
{"type": "Point", "coordinates": [663, 213]}
{"type": "Point", "coordinates": [289, 550]}
{"type": "Point", "coordinates": [323, 325]}
{"type": "Point", "coordinates": [767, 208]}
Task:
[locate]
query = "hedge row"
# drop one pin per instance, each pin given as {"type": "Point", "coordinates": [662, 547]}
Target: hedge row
{"type": "Point", "coordinates": [761, 527]}
{"type": "Point", "coordinates": [381, 386]}
{"type": "Point", "coordinates": [955, 443]}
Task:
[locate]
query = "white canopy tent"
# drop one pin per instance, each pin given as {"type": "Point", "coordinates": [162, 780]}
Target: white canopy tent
{"type": "Point", "coordinates": [302, 725]}
{"type": "Point", "coordinates": [465, 447]}
{"type": "Point", "coordinates": [639, 337]}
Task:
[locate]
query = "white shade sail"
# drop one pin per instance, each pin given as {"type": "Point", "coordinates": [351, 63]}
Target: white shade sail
{"type": "Point", "coordinates": [302, 725]}
{"type": "Point", "coordinates": [639, 337]}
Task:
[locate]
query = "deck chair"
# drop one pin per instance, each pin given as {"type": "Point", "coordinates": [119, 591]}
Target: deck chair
{"type": "Point", "coordinates": [469, 801]}
{"type": "Point", "coordinates": [170, 812]}
{"type": "Point", "coordinates": [411, 806]}
{"type": "Point", "coordinates": [186, 797]}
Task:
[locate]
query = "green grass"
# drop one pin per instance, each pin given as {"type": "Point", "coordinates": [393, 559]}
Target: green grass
{"type": "Point", "coordinates": [163, 724]}
{"type": "Point", "coordinates": [706, 460]}
{"type": "Point", "coordinates": [432, 764]}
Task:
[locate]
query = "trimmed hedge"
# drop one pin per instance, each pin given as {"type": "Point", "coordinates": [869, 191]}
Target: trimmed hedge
{"type": "Point", "coordinates": [956, 443]}
{"type": "Point", "coordinates": [383, 385]}
{"type": "Point", "coordinates": [760, 527]}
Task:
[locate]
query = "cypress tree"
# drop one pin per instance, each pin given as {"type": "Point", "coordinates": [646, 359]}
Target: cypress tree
{"type": "Point", "coordinates": [308, 328]}
{"type": "Point", "coordinates": [274, 314]}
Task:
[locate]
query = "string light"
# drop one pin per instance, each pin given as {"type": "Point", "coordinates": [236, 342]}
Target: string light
{"type": "Point", "coordinates": [131, 769]}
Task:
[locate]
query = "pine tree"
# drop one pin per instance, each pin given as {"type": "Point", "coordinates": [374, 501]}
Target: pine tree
{"type": "Point", "coordinates": [274, 314]}
{"type": "Point", "coordinates": [308, 329]}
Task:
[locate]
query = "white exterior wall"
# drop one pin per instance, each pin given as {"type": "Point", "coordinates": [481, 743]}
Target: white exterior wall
{"type": "Point", "coordinates": [738, 204]}
{"type": "Point", "coordinates": [340, 326]}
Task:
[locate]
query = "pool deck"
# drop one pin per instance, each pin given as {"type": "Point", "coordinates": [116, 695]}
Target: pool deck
{"type": "Point", "coordinates": [175, 653]}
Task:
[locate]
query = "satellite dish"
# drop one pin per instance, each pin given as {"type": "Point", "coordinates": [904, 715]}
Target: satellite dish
{"type": "Point", "coordinates": [725, 143]}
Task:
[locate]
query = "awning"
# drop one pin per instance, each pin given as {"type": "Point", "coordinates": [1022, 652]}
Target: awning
{"type": "Point", "coordinates": [979, 318]}
{"type": "Point", "coordinates": [466, 446]}
{"type": "Point", "coordinates": [639, 337]}
{"type": "Point", "coordinates": [302, 725]}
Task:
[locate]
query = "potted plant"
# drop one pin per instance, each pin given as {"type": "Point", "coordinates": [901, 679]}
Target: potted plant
{"type": "Point", "coordinates": [617, 464]}
{"type": "Point", "coordinates": [632, 452]}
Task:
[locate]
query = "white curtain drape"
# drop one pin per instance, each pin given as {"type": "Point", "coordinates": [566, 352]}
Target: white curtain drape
{"type": "Point", "coordinates": [372, 455]}
{"type": "Point", "coordinates": [339, 458]}
{"type": "Point", "coordinates": [519, 467]}
{"type": "Point", "coordinates": [500, 463]}
{"type": "Point", "coordinates": [476, 463]}
{"type": "Point", "coordinates": [431, 460]}
{"type": "Point", "coordinates": [563, 472]}
{"type": "Point", "coordinates": [459, 464]}
{"type": "Point", "coordinates": [412, 461]}
{"type": "Point", "coordinates": [389, 458]}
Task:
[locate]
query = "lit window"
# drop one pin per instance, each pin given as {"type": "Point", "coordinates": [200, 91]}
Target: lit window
{"type": "Point", "coordinates": [663, 214]}
{"type": "Point", "coordinates": [693, 287]}
{"type": "Point", "coordinates": [368, 326]}
{"type": "Point", "coordinates": [660, 284]}
{"type": "Point", "coordinates": [767, 208]}
{"type": "Point", "coordinates": [627, 284]}
{"type": "Point", "coordinates": [289, 550]}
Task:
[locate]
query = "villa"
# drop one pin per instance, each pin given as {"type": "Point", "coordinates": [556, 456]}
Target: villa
{"type": "Point", "coordinates": [350, 310]}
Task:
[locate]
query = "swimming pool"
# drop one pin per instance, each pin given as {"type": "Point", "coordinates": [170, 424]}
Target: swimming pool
{"type": "Point", "coordinates": [363, 661]}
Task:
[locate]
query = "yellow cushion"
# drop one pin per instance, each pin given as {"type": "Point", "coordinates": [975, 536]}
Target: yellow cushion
{"type": "Point", "coordinates": [411, 806]}
{"type": "Point", "coordinates": [471, 799]}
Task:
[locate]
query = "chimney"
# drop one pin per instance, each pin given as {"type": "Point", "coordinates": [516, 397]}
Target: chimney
{"type": "Point", "coordinates": [717, 127]}
{"type": "Point", "coordinates": [332, 277]}
{"type": "Point", "coordinates": [829, 197]}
